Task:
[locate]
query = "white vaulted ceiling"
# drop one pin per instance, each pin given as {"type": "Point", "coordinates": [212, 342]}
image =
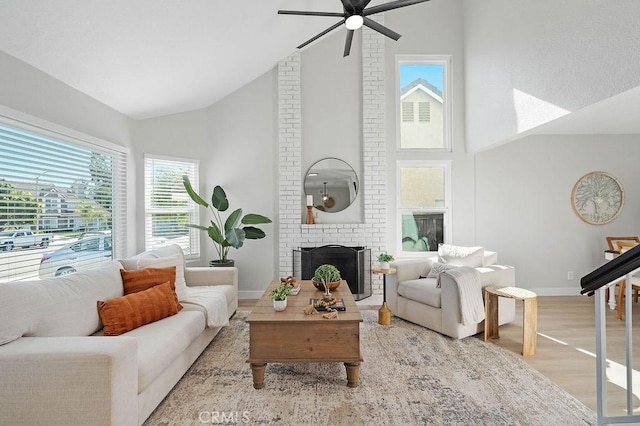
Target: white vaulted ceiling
{"type": "Point", "coordinates": [148, 58]}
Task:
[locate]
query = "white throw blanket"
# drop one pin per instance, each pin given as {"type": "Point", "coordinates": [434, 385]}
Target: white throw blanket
{"type": "Point", "coordinates": [469, 293]}
{"type": "Point", "coordinates": [212, 300]}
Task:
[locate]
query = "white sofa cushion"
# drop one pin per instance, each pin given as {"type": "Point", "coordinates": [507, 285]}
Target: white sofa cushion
{"type": "Point", "coordinates": [60, 306]}
{"type": "Point", "coordinates": [424, 290]}
{"type": "Point", "coordinates": [461, 256]}
{"type": "Point", "coordinates": [161, 342]}
{"type": "Point", "coordinates": [165, 251]}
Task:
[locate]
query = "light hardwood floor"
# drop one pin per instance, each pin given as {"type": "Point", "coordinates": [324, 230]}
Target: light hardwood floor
{"type": "Point", "coordinates": [565, 350]}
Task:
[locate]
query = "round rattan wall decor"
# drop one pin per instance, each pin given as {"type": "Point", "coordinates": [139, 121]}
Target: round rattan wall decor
{"type": "Point", "coordinates": [597, 198]}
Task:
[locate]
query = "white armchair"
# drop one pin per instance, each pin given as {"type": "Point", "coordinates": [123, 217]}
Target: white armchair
{"type": "Point", "coordinates": [422, 301]}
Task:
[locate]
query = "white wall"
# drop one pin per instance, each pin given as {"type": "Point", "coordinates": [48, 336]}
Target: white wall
{"type": "Point", "coordinates": [37, 98]}
{"type": "Point", "coordinates": [523, 198]}
{"type": "Point", "coordinates": [241, 156]}
{"type": "Point", "coordinates": [179, 135]}
{"type": "Point", "coordinates": [235, 141]}
{"type": "Point", "coordinates": [26, 89]}
{"type": "Point", "coordinates": [529, 62]}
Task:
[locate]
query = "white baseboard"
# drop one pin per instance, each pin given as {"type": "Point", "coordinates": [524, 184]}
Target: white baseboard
{"type": "Point", "coordinates": [555, 291]}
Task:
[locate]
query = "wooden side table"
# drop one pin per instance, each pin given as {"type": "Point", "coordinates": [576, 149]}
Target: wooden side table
{"type": "Point", "coordinates": [530, 315]}
{"type": "Point", "coordinates": [384, 313]}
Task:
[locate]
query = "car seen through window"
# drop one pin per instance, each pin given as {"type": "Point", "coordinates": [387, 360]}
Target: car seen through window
{"type": "Point", "coordinates": [88, 252]}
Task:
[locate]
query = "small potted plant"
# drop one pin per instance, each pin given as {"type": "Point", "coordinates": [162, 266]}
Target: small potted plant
{"type": "Point", "coordinates": [326, 277]}
{"type": "Point", "coordinates": [384, 258]}
{"type": "Point", "coordinates": [279, 296]}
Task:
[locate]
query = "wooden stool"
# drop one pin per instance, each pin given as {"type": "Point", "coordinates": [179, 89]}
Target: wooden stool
{"type": "Point", "coordinates": [529, 320]}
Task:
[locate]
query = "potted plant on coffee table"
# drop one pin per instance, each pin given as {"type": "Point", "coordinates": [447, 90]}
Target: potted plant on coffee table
{"type": "Point", "coordinates": [228, 233]}
{"type": "Point", "coordinates": [326, 278]}
{"type": "Point", "coordinates": [279, 296]}
{"type": "Point", "coordinates": [384, 258]}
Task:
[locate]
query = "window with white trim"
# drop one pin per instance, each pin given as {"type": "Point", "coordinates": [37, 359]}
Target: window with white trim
{"type": "Point", "coordinates": [422, 85]}
{"type": "Point", "coordinates": [62, 202]}
{"type": "Point", "coordinates": [423, 205]}
{"type": "Point", "coordinates": [167, 206]}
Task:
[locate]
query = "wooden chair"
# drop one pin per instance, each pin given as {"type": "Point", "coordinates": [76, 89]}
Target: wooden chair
{"type": "Point", "coordinates": [622, 246]}
{"type": "Point", "coordinates": [611, 241]}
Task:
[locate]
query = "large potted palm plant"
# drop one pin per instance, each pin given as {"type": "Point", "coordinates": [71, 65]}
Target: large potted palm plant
{"type": "Point", "coordinates": [228, 233]}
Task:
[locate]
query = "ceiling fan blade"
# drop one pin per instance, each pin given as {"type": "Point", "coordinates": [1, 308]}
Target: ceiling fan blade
{"type": "Point", "coordinates": [362, 4]}
{"type": "Point", "coordinates": [331, 28]}
{"type": "Point", "coordinates": [307, 13]}
{"type": "Point", "coordinates": [347, 43]}
{"type": "Point", "coordinates": [348, 5]}
{"type": "Point", "coordinates": [390, 6]}
{"type": "Point", "coordinates": [381, 29]}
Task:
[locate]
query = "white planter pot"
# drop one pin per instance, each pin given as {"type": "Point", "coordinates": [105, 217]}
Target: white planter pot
{"type": "Point", "coordinates": [280, 305]}
{"type": "Point", "coordinates": [384, 265]}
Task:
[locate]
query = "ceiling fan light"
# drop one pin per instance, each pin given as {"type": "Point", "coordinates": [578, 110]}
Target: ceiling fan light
{"type": "Point", "coordinates": [354, 22]}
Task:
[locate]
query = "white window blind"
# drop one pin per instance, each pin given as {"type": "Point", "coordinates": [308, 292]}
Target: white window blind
{"type": "Point", "coordinates": [62, 203]}
{"type": "Point", "coordinates": [423, 205]}
{"type": "Point", "coordinates": [168, 208]}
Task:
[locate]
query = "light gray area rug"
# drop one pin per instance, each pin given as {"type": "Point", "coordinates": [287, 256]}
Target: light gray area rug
{"type": "Point", "coordinates": [410, 376]}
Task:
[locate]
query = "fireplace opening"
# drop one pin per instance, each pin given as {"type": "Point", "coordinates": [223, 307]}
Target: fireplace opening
{"type": "Point", "coordinates": [354, 264]}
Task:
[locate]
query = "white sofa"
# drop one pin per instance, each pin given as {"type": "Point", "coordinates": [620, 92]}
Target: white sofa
{"type": "Point", "coordinates": [422, 301]}
{"type": "Point", "coordinates": [57, 369]}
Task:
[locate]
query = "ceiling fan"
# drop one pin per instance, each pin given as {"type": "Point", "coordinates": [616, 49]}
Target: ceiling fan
{"type": "Point", "coordinates": [354, 16]}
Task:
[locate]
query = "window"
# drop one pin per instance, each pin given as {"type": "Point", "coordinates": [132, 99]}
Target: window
{"type": "Point", "coordinates": [423, 86]}
{"type": "Point", "coordinates": [168, 208]}
{"type": "Point", "coordinates": [54, 189]}
{"type": "Point", "coordinates": [423, 200]}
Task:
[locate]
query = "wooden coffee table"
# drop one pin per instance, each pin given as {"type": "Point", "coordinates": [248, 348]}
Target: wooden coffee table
{"type": "Point", "coordinates": [292, 336]}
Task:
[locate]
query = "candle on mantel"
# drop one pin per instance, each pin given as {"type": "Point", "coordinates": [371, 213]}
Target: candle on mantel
{"type": "Point", "coordinates": [309, 200]}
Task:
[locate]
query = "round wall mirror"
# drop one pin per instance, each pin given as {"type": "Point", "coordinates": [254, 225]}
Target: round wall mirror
{"type": "Point", "coordinates": [333, 184]}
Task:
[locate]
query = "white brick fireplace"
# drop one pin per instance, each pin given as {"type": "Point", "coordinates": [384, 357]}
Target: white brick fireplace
{"type": "Point", "coordinates": [372, 231]}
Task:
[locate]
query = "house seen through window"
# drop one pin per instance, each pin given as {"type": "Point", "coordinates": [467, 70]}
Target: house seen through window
{"type": "Point", "coordinates": [61, 203]}
{"type": "Point", "coordinates": [423, 103]}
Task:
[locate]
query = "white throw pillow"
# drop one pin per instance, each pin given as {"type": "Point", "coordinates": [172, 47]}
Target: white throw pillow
{"type": "Point", "coordinates": [460, 256]}
{"type": "Point", "coordinates": [436, 268]}
{"type": "Point", "coordinates": [164, 262]}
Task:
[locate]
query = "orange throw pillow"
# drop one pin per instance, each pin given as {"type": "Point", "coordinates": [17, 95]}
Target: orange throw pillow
{"type": "Point", "coordinates": [134, 310]}
{"type": "Point", "coordinates": [143, 279]}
